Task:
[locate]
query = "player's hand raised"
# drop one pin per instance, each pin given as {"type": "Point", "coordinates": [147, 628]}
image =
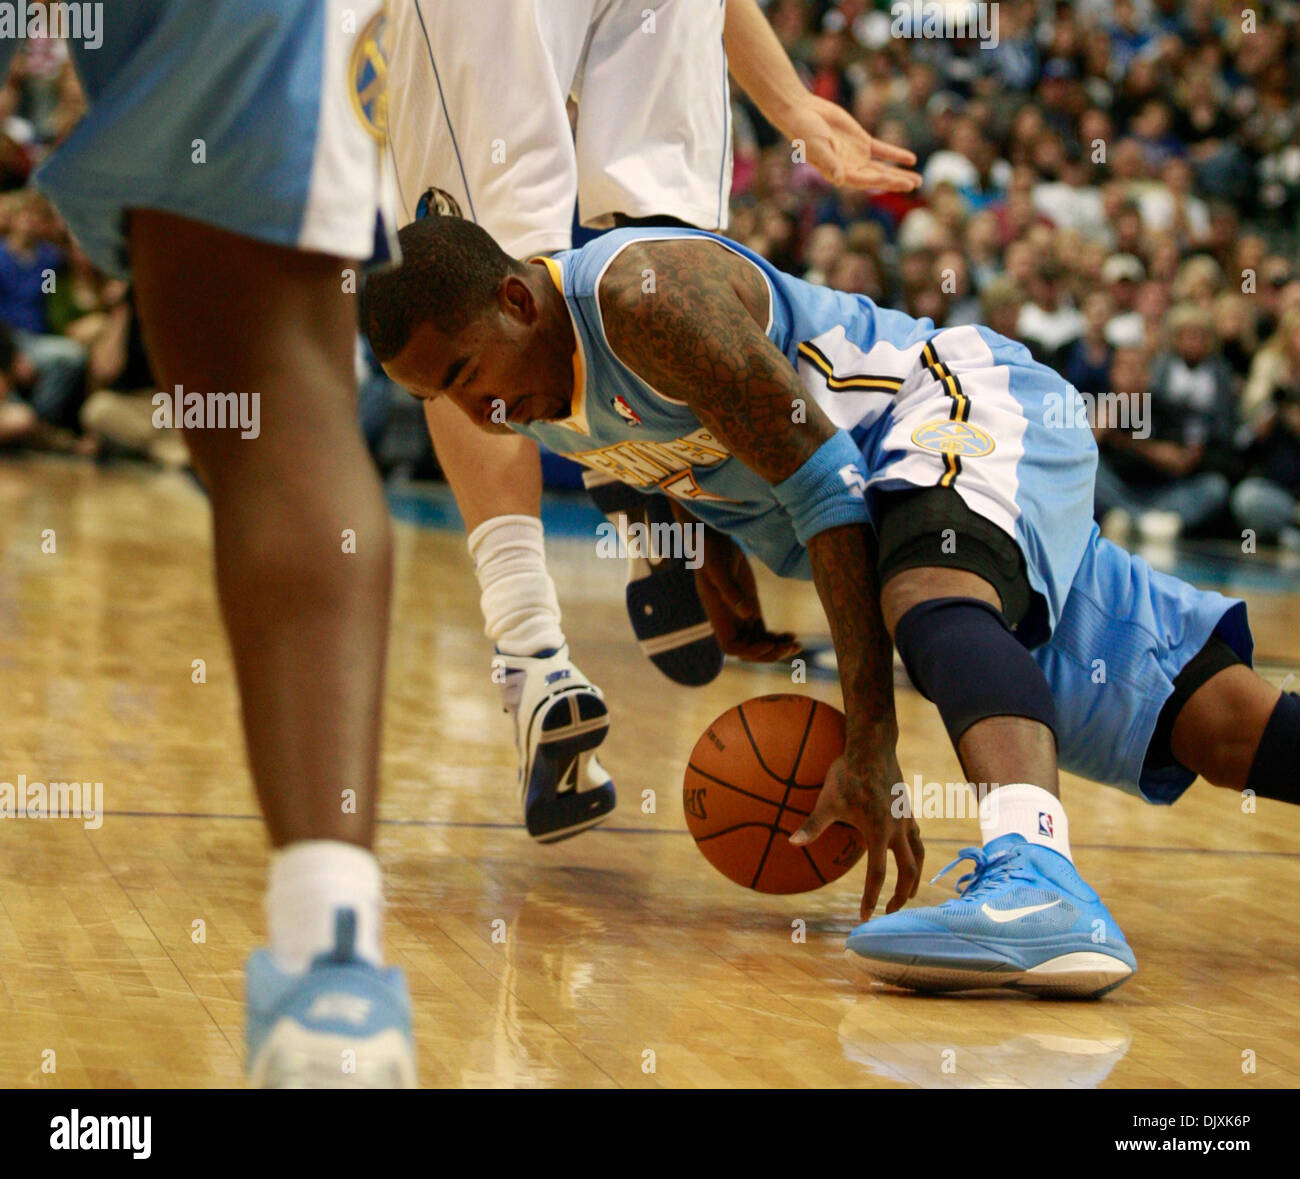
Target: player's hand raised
{"type": "Point", "coordinates": [730, 597]}
{"type": "Point", "coordinates": [859, 791]}
{"type": "Point", "coordinates": [840, 149]}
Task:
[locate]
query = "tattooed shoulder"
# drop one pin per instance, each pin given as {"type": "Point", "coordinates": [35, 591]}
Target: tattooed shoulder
{"type": "Point", "coordinates": [659, 277]}
{"type": "Point", "coordinates": [689, 317]}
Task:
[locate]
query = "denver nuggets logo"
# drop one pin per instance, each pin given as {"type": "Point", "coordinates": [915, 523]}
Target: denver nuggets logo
{"type": "Point", "coordinates": [956, 438]}
{"type": "Point", "coordinates": [368, 76]}
{"type": "Point", "coordinates": [434, 202]}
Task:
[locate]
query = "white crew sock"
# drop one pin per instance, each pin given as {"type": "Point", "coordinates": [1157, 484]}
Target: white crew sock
{"type": "Point", "coordinates": [521, 613]}
{"type": "Point", "coordinates": [1022, 809]}
{"type": "Point", "coordinates": [312, 880]}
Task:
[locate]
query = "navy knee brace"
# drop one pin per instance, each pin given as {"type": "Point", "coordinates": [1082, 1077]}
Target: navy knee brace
{"type": "Point", "coordinates": [960, 653]}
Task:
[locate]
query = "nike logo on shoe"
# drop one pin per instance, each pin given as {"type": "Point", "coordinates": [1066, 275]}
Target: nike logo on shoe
{"type": "Point", "coordinates": [1002, 916]}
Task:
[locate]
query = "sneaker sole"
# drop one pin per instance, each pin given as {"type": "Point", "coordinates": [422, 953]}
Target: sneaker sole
{"type": "Point", "coordinates": [669, 620]}
{"type": "Point", "coordinates": [294, 1057]}
{"type": "Point", "coordinates": [1082, 974]}
{"type": "Point", "coordinates": [574, 811]}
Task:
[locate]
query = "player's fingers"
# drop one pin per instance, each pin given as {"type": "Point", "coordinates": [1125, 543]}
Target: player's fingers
{"type": "Point", "coordinates": [720, 614]}
{"type": "Point", "coordinates": [908, 872]}
{"type": "Point", "coordinates": [823, 815]}
{"type": "Point", "coordinates": [877, 855]}
{"type": "Point", "coordinates": [824, 158]}
{"type": "Point", "coordinates": [789, 647]}
{"type": "Point", "coordinates": [716, 604]}
{"type": "Point", "coordinates": [781, 646]}
{"type": "Point", "coordinates": [754, 650]}
{"type": "Point", "coordinates": [739, 597]}
{"type": "Point", "coordinates": [918, 852]}
{"type": "Point", "coordinates": [884, 178]}
{"type": "Point", "coordinates": [892, 152]}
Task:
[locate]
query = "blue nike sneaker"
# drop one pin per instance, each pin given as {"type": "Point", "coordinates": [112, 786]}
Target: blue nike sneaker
{"type": "Point", "coordinates": [343, 1024]}
{"type": "Point", "coordinates": [1024, 918]}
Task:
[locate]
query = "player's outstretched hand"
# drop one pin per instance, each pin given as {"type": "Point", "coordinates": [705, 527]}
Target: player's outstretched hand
{"type": "Point", "coordinates": [841, 150]}
{"type": "Point", "coordinates": [859, 791]}
{"type": "Point", "coordinates": [730, 596]}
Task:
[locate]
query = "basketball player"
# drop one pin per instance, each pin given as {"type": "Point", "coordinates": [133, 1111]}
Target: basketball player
{"type": "Point", "coordinates": [915, 475]}
{"type": "Point", "coordinates": [478, 126]}
{"type": "Point", "coordinates": [230, 159]}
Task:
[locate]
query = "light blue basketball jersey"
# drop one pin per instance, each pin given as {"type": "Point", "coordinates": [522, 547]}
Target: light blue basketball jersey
{"type": "Point", "coordinates": [963, 408]}
{"type": "Point", "coordinates": [925, 406]}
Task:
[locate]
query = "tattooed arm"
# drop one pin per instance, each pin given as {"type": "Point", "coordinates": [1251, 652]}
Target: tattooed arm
{"type": "Point", "coordinates": [700, 338]}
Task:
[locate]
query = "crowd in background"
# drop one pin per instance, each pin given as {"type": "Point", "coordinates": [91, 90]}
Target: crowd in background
{"type": "Point", "coordinates": [1116, 184]}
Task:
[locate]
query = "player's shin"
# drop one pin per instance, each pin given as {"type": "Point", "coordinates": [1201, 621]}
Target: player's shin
{"type": "Point", "coordinates": [997, 708]}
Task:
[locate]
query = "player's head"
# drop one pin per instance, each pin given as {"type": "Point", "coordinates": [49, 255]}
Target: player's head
{"type": "Point", "coordinates": [462, 319]}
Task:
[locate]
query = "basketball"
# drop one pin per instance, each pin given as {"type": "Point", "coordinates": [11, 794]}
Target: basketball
{"type": "Point", "coordinates": [753, 779]}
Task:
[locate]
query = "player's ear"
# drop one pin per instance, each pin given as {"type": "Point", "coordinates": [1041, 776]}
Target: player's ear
{"type": "Point", "coordinates": [516, 299]}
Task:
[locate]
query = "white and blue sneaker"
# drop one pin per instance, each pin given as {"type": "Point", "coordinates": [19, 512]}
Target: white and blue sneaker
{"type": "Point", "coordinates": [343, 1024]}
{"type": "Point", "coordinates": [560, 718]}
{"type": "Point", "coordinates": [1024, 919]}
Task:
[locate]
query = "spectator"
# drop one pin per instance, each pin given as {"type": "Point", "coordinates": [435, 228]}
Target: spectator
{"type": "Point", "coordinates": [825, 245]}
{"type": "Point", "coordinates": [118, 418]}
{"type": "Point", "coordinates": [1086, 363]}
{"type": "Point", "coordinates": [1122, 273]}
{"type": "Point", "coordinates": [1234, 319]}
{"type": "Point", "coordinates": [28, 265]}
{"type": "Point", "coordinates": [19, 425]}
{"type": "Point", "coordinates": [857, 274]}
{"type": "Point", "coordinates": [1150, 485]}
{"type": "Point", "coordinates": [1049, 322]}
{"type": "Point", "coordinates": [1266, 501]}
{"type": "Point", "coordinates": [960, 304]}
{"type": "Point", "coordinates": [1000, 303]}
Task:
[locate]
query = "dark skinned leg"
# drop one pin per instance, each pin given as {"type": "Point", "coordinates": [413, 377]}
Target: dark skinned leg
{"type": "Point", "coordinates": [307, 621]}
{"type": "Point", "coordinates": [1000, 749]}
{"type": "Point", "coordinates": [1218, 730]}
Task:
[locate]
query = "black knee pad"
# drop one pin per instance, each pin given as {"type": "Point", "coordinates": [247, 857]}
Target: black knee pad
{"type": "Point", "coordinates": [960, 653]}
{"type": "Point", "coordinates": [1274, 773]}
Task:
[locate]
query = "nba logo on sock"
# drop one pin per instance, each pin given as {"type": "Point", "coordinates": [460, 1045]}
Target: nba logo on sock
{"type": "Point", "coordinates": [1044, 823]}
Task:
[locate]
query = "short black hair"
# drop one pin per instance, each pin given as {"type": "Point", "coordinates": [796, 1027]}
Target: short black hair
{"type": "Point", "coordinates": [449, 273]}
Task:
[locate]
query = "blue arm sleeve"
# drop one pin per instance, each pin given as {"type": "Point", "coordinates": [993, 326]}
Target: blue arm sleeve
{"type": "Point", "coordinates": [828, 490]}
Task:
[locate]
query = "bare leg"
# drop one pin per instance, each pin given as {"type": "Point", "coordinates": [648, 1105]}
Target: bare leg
{"type": "Point", "coordinates": [1218, 730]}
{"type": "Point", "coordinates": [490, 474]}
{"type": "Point", "coordinates": [307, 620]}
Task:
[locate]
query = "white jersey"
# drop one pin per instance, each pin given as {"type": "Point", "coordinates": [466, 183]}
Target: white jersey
{"type": "Point", "coordinates": [479, 122]}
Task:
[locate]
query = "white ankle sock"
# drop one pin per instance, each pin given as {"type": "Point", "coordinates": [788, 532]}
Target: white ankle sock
{"type": "Point", "coordinates": [1022, 809]}
{"type": "Point", "coordinates": [521, 613]}
{"type": "Point", "coordinates": [312, 880]}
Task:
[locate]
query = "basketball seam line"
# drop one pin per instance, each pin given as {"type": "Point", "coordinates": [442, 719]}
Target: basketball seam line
{"type": "Point", "coordinates": [771, 838]}
{"type": "Point", "coordinates": [690, 765]}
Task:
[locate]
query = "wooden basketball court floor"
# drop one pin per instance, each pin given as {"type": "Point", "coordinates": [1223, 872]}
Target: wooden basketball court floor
{"type": "Point", "coordinates": [620, 958]}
